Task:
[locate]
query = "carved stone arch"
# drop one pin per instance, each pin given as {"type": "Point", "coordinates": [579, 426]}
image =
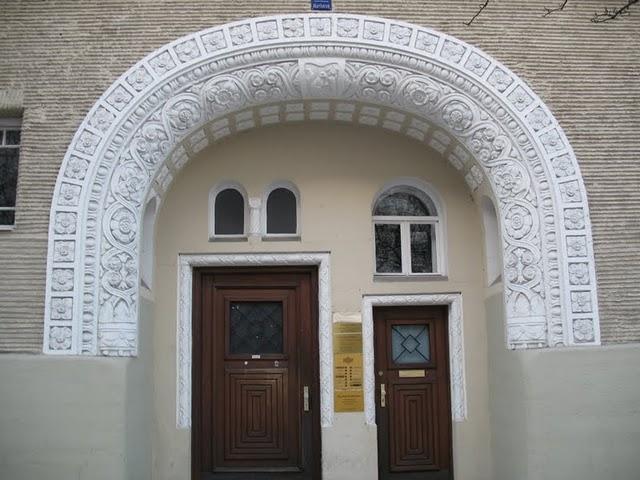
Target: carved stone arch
{"type": "Point", "coordinates": [373, 71]}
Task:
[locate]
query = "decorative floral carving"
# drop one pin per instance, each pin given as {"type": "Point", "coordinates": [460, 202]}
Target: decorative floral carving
{"type": "Point", "coordinates": [61, 308]}
{"type": "Point", "coordinates": [65, 223]}
{"type": "Point", "coordinates": [563, 166]}
{"type": "Point", "coordinates": [293, 27]}
{"type": "Point", "coordinates": [119, 98]}
{"type": "Point", "coordinates": [477, 64]}
{"type": "Point", "coordinates": [131, 182]}
{"type": "Point", "coordinates": [570, 192]}
{"type": "Point", "coordinates": [151, 144]}
{"type": "Point", "coordinates": [347, 27]}
{"type": "Point", "coordinates": [69, 195]}
{"type": "Point", "coordinates": [521, 266]}
{"type": "Point", "coordinates": [241, 34]}
{"type": "Point", "coordinates": [183, 114]}
{"type": "Point", "coordinates": [474, 177]}
{"type": "Point", "coordinates": [576, 246]}
{"type": "Point", "coordinates": [487, 144]}
{"type": "Point", "coordinates": [509, 180]}
{"type": "Point", "coordinates": [320, 27]}
{"type": "Point", "coordinates": [518, 222]}
{"type": "Point", "coordinates": [583, 331]}
{"type": "Point", "coordinates": [162, 63]}
{"type": "Point", "coordinates": [102, 119]}
{"type": "Point", "coordinates": [452, 51]}
{"type": "Point", "coordinates": [60, 338]}
{"type": "Point", "coordinates": [426, 41]}
{"type": "Point", "coordinates": [581, 302]}
{"type": "Point", "coordinates": [520, 98]}
{"type": "Point", "coordinates": [62, 279]}
{"type": "Point", "coordinates": [123, 226]}
{"type": "Point", "coordinates": [267, 30]}
{"type": "Point", "coordinates": [63, 251]}
{"type": "Point", "coordinates": [222, 95]}
{"type": "Point", "coordinates": [373, 30]}
{"type": "Point", "coordinates": [320, 79]}
{"type": "Point", "coordinates": [458, 115]}
{"type": "Point", "coordinates": [76, 168]}
{"type": "Point", "coordinates": [87, 143]}
{"type": "Point", "coordinates": [187, 51]}
{"type": "Point", "coordinates": [501, 81]}
{"type": "Point", "coordinates": [214, 41]}
{"type": "Point", "coordinates": [421, 95]}
{"type": "Point", "coordinates": [552, 141]}
{"type": "Point", "coordinates": [538, 119]}
{"type": "Point", "coordinates": [400, 35]}
{"type": "Point", "coordinates": [578, 274]}
{"type": "Point", "coordinates": [140, 79]}
{"type": "Point", "coordinates": [573, 219]}
{"type": "Point", "coordinates": [121, 272]}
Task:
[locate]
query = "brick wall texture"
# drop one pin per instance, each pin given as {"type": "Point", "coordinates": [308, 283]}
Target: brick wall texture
{"type": "Point", "coordinates": [62, 54]}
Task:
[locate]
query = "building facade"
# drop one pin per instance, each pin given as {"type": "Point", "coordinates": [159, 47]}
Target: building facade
{"type": "Point", "coordinates": [372, 242]}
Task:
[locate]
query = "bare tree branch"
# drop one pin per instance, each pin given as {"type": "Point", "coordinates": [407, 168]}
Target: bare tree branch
{"type": "Point", "coordinates": [482, 7]}
{"type": "Point", "coordinates": [549, 11]}
{"type": "Point", "coordinates": [613, 13]}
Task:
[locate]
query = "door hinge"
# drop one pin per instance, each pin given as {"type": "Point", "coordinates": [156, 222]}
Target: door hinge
{"type": "Point", "coordinates": [383, 395]}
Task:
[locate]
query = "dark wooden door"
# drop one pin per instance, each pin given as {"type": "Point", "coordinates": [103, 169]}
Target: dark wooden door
{"type": "Point", "coordinates": [255, 376]}
{"type": "Point", "coordinates": [413, 409]}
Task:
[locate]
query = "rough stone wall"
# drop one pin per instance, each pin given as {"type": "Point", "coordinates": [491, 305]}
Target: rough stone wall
{"type": "Point", "coordinates": [62, 54]}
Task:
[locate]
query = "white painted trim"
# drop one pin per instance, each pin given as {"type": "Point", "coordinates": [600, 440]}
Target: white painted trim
{"type": "Point", "coordinates": [365, 70]}
{"type": "Point", "coordinates": [456, 347]}
{"type": "Point", "coordinates": [263, 213]}
{"type": "Point", "coordinates": [213, 194]}
{"type": "Point", "coordinates": [186, 264]}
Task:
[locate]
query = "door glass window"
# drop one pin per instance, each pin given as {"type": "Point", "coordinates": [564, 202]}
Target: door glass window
{"type": "Point", "coordinates": [410, 344]}
{"type": "Point", "coordinates": [255, 328]}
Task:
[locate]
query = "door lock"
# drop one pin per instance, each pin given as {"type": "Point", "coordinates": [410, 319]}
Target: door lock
{"type": "Point", "coordinates": [383, 396]}
{"type": "Point", "coordinates": [305, 398]}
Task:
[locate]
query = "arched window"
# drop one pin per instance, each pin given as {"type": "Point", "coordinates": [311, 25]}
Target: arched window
{"type": "Point", "coordinates": [228, 210]}
{"type": "Point", "coordinates": [492, 247]}
{"type": "Point", "coordinates": [407, 229]}
{"type": "Point", "coordinates": [281, 211]}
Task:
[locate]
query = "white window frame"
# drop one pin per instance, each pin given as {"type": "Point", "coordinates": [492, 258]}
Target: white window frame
{"type": "Point", "coordinates": [263, 217]}
{"type": "Point", "coordinates": [10, 124]}
{"type": "Point", "coordinates": [213, 195]}
{"type": "Point", "coordinates": [438, 243]}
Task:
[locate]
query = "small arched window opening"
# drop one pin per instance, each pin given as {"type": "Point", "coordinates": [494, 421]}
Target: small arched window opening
{"type": "Point", "coordinates": [281, 211]}
{"type": "Point", "coordinates": [229, 212]}
{"type": "Point", "coordinates": [407, 229]}
{"type": "Point", "coordinates": [146, 250]}
{"type": "Point", "coordinates": [491, 241]}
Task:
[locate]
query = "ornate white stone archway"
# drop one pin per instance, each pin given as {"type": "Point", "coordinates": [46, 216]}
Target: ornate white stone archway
{"type": "Point", "coordinates": [372, 71]}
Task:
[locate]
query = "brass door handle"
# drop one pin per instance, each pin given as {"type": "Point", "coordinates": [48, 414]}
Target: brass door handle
{"type": "Point", "coordinates": [383, 396]}
{"type": "Point", "coordinates": [305, 397]}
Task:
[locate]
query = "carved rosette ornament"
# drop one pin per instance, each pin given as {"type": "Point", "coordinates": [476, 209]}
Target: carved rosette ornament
{"type": "Point", "coordinates": [372, 71]}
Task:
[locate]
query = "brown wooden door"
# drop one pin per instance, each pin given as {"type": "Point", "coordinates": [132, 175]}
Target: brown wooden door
{"type": "Point", "coordinates": [413, 410]}
{"type": "Point", "coordinates": [255, 378]}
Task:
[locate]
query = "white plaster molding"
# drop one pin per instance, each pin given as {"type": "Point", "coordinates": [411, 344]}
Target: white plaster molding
{"type": "Point", "coordinates": [456, 347]}
{"type": "Point", "coordinates": [210, 84]}
{"type": "Point", "coordinates": [186, 264]}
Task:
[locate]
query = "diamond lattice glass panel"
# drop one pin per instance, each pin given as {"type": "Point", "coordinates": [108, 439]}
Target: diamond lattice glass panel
{"type": "Point", "coordinates": [388, 249]}
{"type": "Point", "coordinates": [421, 244]}
{"type": "Point", "coordinates": [404, 203]}
{"type": "Point", "coordinates": [255, 328]}
{"type": "Point", "coordinates": [410, 344]}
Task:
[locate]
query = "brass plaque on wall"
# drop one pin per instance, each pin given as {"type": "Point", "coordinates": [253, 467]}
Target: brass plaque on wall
{"type": "Point", "coordinates": [347, 367]}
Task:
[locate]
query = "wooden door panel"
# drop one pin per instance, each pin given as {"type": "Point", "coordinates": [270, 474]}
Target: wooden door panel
{"type": "Point", "coordinates": [412, 369]}
{"type": "Point", "coordinates": [256, 422]}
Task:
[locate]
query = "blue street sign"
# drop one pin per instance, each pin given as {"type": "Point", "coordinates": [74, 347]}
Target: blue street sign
{"type": "Point", "coordinates": [320, 4]}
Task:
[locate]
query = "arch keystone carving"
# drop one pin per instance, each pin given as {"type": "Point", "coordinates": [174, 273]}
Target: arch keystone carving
{"type": "Point", "coordinates": [412, 80]}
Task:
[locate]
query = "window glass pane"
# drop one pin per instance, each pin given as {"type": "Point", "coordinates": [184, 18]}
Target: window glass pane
{"type": "Point", "coordinates": [12, 137]}
{"type": "Point", "coordinates": [8, 176]}
{"type": "Point", "coordinates": [410, 344]}
{"type": "Point", "coordinates": [421, 248]}
{"type": "Point", "coordinates": [7, 217]}
{"type": "Point", "coordinates": [281, 211]}
{"type": "Point", "coordinates": [402, 203]}
{"type": "Point", "coordinates": [388, 250]}
{"type": "Point", "coordinates": [229, 213]}
{"type": "Point", "coordinates": [255, 328]}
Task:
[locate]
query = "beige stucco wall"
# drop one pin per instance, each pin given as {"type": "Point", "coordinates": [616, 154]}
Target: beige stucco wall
{"type": "Point", "coordinates": [63, 54]}
{"type": "Point", "coordinates": [338, 170]}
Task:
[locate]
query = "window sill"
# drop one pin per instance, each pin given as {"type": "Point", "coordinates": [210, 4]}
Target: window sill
{"type": "Point", "coordinates": [229, 238]}
{"type": "Point", "coordinates": [281, 238]}
{"type": "Point", "coordinates": [7, 228]}
{"type": "Point", "coordinates": [417, 277]}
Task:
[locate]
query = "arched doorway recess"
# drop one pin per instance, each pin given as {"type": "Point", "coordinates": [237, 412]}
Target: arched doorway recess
{"type": "Point", "coordinates": [367, 70]}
